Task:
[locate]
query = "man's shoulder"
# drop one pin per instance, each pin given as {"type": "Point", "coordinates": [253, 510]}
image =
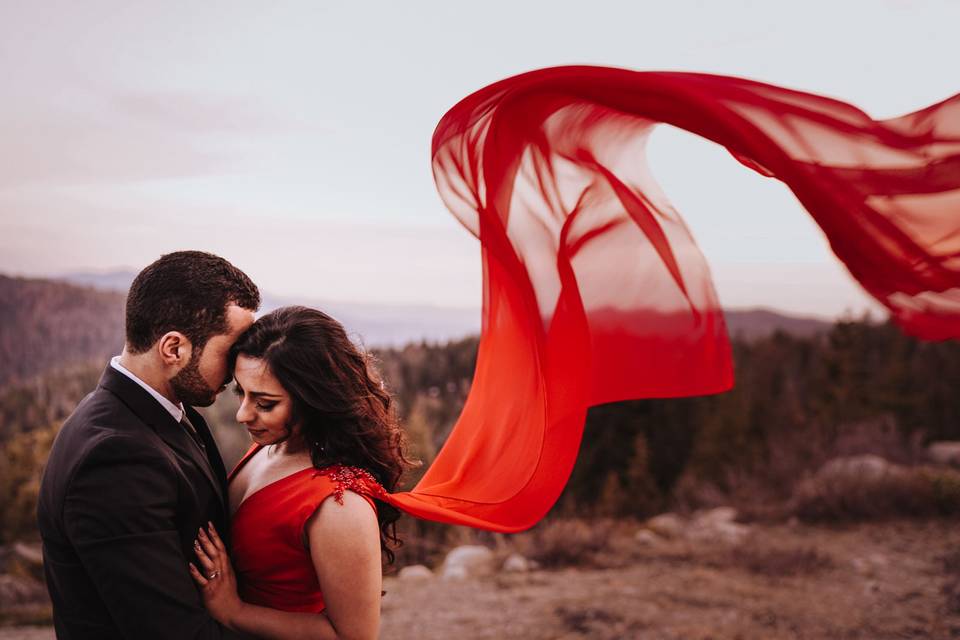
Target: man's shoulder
{"type": "Point", "coordinates": [102, 411]}
{"type": "Point", "coordinates": [103, 427]}
{"type": "Point", "coordinates": [103, 439]}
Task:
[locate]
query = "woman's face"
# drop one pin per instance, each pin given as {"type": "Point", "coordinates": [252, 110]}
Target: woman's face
{"type": "Point", "coordinates": [266, 409]}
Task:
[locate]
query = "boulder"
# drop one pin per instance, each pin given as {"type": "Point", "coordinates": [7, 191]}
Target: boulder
{"type": "Point", "coordinates": [516, 563]}
{"type": "Point", "coordinates": [667, 525]}
{"type": "Point", "coordinates": [31, 554]}
{"type": "Point", "coordinates": [719, 515]}
{"type": "Point", "coordinates": [727, 533]}
{"type": "Point", "coordinates": [646, 537]}
{"type": "Point", "coordinates": [468, 561]}
{"type": "Point", "coordinates": [944, 452]}
{"type": "Point", "coordinates": [415, 572]}
{"type": "Point", "coordinates": [717, 526]}
{"type": "Point", "coordinates": [864, 467]}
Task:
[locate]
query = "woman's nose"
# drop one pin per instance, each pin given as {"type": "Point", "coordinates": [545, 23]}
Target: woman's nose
{"type": "Point", "coordinates": [244, 413]}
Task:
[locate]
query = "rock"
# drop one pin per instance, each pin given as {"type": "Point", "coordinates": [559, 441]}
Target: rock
{"type": "Point", "coordinates": [864, 467]}
{"type": "Point", "coordinates": [727, 533]}
{"type": "Point", "coordinates": [719, 515]}
{"type": "Point", "coordinates": [944, 452]}
{"type": "Point", "coordinates": [31, 554]}
{"type": "Point", "coordinates": [718, 525]}
{"type": "Point", "coordinates": [667, 525]}
{"type": "Point", "coordinates": [468, 561]}
{"type": "Point", "coordinates": [516, 563]}
{"type": "Point", "coordinates": [646, 537]}
{"type": "Point", "coordinates": [455, 572]}
{"type": "Point", "coordinates": [415, 572]}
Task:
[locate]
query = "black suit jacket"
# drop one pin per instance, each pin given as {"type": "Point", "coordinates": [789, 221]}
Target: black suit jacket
{"type": "Point", "coordinates": [123, 494]}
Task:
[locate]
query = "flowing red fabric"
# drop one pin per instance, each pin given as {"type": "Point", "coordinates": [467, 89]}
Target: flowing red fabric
{"type": "Point", "coordinates": [593, 287]}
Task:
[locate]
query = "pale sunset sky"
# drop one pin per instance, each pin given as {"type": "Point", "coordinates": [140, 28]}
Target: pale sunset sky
{"type": "Point", "coordinates": [293, 138]}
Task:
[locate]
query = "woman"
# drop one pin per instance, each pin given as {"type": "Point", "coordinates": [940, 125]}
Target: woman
{"type": "Point", "coordinates": [307, 528]}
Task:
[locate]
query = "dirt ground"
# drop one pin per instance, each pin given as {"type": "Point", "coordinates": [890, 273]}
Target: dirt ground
{"type": "Point", "coordinates": [875, 582]}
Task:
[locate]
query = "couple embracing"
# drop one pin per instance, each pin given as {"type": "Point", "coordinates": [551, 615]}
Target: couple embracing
{"type": "Point", "coordinates": [144, 533]}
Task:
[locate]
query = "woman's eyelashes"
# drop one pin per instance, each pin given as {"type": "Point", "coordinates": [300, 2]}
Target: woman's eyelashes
{"type": "Point", "coordinates": [261, 406]}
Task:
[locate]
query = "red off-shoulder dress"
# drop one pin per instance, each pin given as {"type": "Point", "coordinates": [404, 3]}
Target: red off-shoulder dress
{"type": "Point", "coordinates": [273, 567]}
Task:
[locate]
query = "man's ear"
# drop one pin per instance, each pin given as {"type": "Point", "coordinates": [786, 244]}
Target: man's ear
{"type": "Point", "coordinates": [175, 349]}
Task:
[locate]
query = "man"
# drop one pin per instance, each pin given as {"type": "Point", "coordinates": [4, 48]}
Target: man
{"type": "Point", "coordinates": [134, 472]}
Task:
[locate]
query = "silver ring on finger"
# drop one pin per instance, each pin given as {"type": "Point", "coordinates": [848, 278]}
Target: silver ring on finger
{"type": "Point", "coordinates": [213, 575]}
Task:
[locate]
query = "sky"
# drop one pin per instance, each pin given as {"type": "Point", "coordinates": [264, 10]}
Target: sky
{"type": "Point", "coordinates": [293, 138]}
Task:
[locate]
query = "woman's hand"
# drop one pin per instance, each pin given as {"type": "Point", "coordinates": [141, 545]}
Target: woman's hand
{"type": "Point", "coordinates": [216, 579]}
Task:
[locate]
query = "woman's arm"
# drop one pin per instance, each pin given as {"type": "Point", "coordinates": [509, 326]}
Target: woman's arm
{"type": "Point", "coordinates": [345, 543]}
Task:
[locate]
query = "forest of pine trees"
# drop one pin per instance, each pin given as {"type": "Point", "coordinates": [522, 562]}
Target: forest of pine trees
{"type": "Point", "coordinates": [857, 387]}
{"type": "Point", "coordinates": [798, 401]}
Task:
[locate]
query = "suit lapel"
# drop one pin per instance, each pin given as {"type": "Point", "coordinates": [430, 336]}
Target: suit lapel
{"type": "Point", "coordinates": [171, 432]}
{"type": "Point", "coordinates": [212, 452]}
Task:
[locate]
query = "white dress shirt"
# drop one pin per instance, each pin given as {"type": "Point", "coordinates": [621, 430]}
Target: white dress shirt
{"type": "Point", "coordinates": [175, 410]}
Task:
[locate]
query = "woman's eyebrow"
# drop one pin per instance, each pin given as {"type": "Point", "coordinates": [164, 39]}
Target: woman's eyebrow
{"type": "Point", "coordinates": [263, 394]}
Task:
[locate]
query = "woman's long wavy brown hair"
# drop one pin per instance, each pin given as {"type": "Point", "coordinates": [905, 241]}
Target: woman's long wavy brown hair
{"type": "Point", "coordinates": [346, 416]}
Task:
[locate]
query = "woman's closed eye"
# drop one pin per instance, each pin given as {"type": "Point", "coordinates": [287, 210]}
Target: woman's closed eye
{"type": "Point", "coordinates": [261, 406]}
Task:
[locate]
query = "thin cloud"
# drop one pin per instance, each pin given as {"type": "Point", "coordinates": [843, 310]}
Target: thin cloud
{"type": "Point", "coordinates": [188, 112]}
{"type": "Point", "coordinates": [135, 136]}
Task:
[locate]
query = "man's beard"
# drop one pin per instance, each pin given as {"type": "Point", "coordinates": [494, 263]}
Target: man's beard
{"type": "Point", "coordinates": [190, 386]}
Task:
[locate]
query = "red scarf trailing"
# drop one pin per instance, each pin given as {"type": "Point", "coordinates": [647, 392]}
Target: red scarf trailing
{"type": "Point", "coordinates": [594, 290]}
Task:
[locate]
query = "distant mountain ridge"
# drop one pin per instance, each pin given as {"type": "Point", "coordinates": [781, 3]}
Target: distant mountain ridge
{"type": "Point", "coordinates": [45, 323]}
{"type": "Point", "coordinates": [372, 324]}
{"type": "Point", "coordinates": [751, 324]}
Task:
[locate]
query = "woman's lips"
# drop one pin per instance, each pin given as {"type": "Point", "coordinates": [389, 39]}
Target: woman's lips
{"type": "Point", "coordinates": [256, 432]}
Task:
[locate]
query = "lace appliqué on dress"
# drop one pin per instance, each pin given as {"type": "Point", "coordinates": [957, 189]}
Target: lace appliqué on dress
{"type": "Point", "coordinates": [353, 478]}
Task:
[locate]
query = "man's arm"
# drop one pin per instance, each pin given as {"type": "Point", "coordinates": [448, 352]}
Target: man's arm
{"type": "Point", "coordinates": [120, 515]}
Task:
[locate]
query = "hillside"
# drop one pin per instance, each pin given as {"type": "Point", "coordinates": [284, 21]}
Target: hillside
{"type": "Point", "coordinates": [48, 323]}
{"type": "Point", "coordinates": [45, 324]}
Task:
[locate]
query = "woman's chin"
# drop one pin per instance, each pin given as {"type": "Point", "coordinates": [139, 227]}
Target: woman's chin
{"type": "Point", "coordinates": [261, 436]}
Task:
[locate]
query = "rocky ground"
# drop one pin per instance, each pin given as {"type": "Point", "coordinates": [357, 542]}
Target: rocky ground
{"type": "Point", "coordinates": [870, 581]}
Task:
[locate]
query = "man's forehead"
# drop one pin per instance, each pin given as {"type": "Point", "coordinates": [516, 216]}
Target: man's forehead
{"type": "Point", "coordinates": [238, 318]}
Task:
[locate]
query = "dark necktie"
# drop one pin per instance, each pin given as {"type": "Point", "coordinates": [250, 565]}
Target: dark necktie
{"type": "Point", "coordinates": [189, 428]}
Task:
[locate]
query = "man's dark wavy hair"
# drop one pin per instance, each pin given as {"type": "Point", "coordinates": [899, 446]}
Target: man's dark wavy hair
{"type": "Point", "coordinates": [185, 291]}
{"type": "Point", "coordinates": [346, 417]}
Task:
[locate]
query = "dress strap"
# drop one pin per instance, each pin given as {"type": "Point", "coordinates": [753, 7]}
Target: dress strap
{"type": "Point", "coordinates": [249, 454]}
{"type": "Point", "coordinates": [354, 479]}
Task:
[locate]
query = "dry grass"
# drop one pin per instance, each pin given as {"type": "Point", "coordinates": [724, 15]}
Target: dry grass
{"type": "Point", "coordinates": [567, 542]}
{"type": "Point", "coordinates": [869, 581]}
{"type": "Point", "coordinates": [951, 587]}
{"type": "Point", "coordinates": [781, 561]}
{"type": "Point", "coordinates": [866, 581]}
{"type": "Point", "coordinates": [900, 492]}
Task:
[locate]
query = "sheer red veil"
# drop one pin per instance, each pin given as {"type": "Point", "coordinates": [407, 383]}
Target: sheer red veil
{"type": "Point", "coordinates": [593, 288]}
